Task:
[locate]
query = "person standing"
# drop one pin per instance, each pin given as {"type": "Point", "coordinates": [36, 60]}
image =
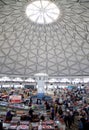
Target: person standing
{"type": "Point", "coordinates": [1, 125]}
{"type": "Point", "coordinates": [80, 125]}
{"type": "Point", "coordinates": [52, 113]}
{"type": "Point", "coordinates": [40, 126]}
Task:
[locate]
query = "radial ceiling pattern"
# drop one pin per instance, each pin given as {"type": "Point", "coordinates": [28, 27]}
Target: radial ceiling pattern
{"type": "Point", "coordinates": [59, 48]}
{"type": "Point", "coordinates": [42, 12]}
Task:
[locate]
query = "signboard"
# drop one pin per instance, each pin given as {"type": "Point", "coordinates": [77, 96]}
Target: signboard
{"type": "Point", "coordinates": [15, 99]}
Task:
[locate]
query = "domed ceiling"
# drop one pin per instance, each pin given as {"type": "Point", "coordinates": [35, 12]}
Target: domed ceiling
{"type": "Point", "coordinates": [60, 48]}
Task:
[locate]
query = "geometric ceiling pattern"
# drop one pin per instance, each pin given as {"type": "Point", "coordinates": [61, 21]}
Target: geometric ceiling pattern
{"type": "Point", "coordinates": [58, 49]}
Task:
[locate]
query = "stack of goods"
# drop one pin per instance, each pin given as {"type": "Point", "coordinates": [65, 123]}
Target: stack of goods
{"type": "Point", "coordinates": [23, 127]}
{"type": "Point", "coordinates": [48, 125]}
{"type": "Point", "coordinates": [20, 125]}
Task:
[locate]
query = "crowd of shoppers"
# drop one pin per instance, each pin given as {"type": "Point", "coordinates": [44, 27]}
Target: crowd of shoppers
{"type": "Point", "coordinates": [71, 106]}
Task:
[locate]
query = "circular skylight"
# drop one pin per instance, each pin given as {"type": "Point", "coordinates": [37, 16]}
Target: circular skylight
{"type": "Point", "coordinates": [42, 12]}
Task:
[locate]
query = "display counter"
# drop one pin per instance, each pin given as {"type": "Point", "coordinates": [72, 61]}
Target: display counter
{"type": "Point", "coordinates": [19, 106]}
{"type": "Point", "coordinates": [49, 125]}
{"type": "Point", "coordinates": [6, 126]}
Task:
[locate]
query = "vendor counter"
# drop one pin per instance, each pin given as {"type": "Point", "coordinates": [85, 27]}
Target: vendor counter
{"type": "Point", "coordinates": [49, 125]}
{"type": "Point", "coordinates": [25, 125]}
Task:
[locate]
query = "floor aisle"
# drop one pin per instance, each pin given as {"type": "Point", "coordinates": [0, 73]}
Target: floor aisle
{"type": "Point", "coordinates": [74, 126]}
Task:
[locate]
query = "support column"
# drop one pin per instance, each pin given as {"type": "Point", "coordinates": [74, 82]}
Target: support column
{"type": "Point", "coordinates": [40, 79]}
